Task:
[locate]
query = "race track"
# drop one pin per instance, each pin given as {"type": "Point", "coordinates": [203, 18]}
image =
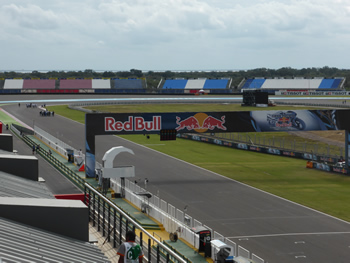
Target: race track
{"type": "Point", "coordinates": [275, 229]}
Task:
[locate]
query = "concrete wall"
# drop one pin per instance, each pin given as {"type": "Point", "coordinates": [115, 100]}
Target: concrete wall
{"type": "Point", "coordinates": [65, 217]}
{"type": "Point", "coordinates": [6, 142]}
{"type": "Point", "coordinates": [24, 166]}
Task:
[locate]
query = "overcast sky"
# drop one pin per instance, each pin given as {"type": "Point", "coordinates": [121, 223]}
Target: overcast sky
{"type": "Point", "coordinates": [173, 34]}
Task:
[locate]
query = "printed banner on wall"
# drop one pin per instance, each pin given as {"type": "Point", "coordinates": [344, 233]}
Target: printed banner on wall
{"type": "Point", "coordinates": [208, 122]}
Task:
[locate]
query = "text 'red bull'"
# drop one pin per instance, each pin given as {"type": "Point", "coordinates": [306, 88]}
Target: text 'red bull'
{"type": "Point", "coordinates": [133, 124]}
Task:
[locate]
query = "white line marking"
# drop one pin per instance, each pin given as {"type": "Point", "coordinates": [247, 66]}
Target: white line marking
{"type": "Point", "coordinates": [16, 119]}
{"type": "Point", "coordinates": [291, 234]}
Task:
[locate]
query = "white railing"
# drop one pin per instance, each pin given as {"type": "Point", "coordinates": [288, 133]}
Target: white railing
{"type": "Point", "coordinates": [175, 220]}
{"type": "Point", "coordinates": [55, 143]}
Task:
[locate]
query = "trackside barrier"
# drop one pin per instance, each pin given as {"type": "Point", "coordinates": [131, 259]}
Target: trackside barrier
{"type": "Point", "coordinates": [53, 142]}
{"type": "Point", "coordinates": [15, 130]}
{"type": "Point", "coordinates": [101, 210]}
{"type": "Point", "coordinates": [243, 252]}
{"type": "Point", "coordinates": [174, 219]}
{"type": "Point", "coordinates": [257, 259]}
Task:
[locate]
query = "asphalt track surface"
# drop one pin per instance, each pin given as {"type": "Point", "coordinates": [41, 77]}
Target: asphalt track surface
{"type": "Point", "coordinates": [277, 230]}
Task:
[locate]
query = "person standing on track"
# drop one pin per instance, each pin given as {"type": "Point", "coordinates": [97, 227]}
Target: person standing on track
{"type": "Point", "coordinates": [130, 251]}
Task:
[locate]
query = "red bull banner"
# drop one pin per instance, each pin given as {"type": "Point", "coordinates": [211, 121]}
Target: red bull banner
{"type": "Point", "coordinates": [209, 122]}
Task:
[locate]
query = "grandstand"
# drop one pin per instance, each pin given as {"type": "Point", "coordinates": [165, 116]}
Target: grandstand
{"type": "Point", "coordinates": [72, 85]}
{"type": "Point", "coordinates": [170, 86]}
{"type": "Point", "coordinates": [101, 84]}
{"type": "Point", "coordinates": [39, 84]}
{"type": "Point", "coordinates": [196, 84]}
{"type": "Point", "coordinates": [13, 84]}
{"type": "Point", "coordinates": [293, 84]}
{"type": "Point", "coordinates": [75, 84]}
{"type": "Point", "coordinates": [128, 84]}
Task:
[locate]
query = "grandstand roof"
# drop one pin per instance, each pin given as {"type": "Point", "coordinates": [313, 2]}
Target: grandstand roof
{"type": "Point", "coordinates": [24, 243]}
{"type": "Point", "coordinates": [21, 243]}
{"type": "Point", "coordinates": [14, 186]}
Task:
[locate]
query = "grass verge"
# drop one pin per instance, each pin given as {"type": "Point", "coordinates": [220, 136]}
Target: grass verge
{"type": "Point", "coordinates": [285, 177]}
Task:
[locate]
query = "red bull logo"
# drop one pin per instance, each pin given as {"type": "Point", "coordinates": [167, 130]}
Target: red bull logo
{"type": "Point", "coordinates": [200, 122]}
{"type": "Point", "coordinates": [284, 122]}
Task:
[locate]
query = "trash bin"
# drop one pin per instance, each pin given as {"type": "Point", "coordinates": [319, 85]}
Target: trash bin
{"type": "Point", "coordinates": [204, 240]}
{"type": "Point", "coordinates": [70, 154]}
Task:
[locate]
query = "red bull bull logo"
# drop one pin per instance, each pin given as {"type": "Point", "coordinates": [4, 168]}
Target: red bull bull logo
{"type": "Point", "coordinates": [200, 122]}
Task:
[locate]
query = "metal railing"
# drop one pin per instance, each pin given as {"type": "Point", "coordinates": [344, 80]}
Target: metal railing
{"type": "Point", "coordinates": [114, 223]}
{"type": "Point", "coordinates": [108, 217]}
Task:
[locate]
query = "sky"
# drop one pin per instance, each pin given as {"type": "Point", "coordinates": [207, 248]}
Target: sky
{"type": "Point", "coordinates": [158, 35]}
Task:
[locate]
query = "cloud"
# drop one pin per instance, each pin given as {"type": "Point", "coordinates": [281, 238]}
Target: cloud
{"type": "Point", "coordinates": [127, 30]}
{"type": "Point", "coordinates": [30, 17]}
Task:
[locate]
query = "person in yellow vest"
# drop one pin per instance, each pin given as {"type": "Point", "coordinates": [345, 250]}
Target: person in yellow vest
{"type": "Point", "coordinates": [130, 251]}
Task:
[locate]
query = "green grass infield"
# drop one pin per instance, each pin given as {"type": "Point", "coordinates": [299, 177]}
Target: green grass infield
{"type": "Point", "coordinates": [282, 176]}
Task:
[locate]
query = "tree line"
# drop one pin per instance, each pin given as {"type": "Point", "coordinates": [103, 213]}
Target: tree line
{"type": "Point", "coordinates": [153, 77]}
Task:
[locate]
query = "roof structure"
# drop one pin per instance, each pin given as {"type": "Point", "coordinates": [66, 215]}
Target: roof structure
{"type": "Point", "coordinates": [21, 243]}
{"type": "Point", "coordinates": [14, 186]}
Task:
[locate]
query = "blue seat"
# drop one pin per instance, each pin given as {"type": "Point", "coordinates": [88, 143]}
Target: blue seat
{"type": "Point", "coordinates": [215, 84]}
{"type": "Point", "coordinates": [175, 84]}
{"type": "Point", "coordinates": [128, 84]}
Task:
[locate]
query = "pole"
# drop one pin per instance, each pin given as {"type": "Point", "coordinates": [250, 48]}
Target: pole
{"type": "Point", "coordinates": [346, 149]}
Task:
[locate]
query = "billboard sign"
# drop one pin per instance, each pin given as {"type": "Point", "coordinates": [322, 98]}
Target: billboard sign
{"type": "Point", "coordinates": [204, 122]}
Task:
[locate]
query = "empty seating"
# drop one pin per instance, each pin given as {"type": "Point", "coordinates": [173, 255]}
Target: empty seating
{"type": "Point", "coordinates": [75, 84]}
{"type": "Point", "coordinates": [13, 84]}
{"type": "Point", "coordinates": [175, 84]}
{"type": "Point", "coordinates": [39, 84]}
{"type": "Point", "coordinates": [290, 84]}
{"type": "Point", "coordinates": [330, 83]}
{"type": "Point", "coordinates": [247, 84]}
{"type": "Point", "coordinates": [128, 84]}
{"type": "Point", "coordinates": [215, 84]}
{"type": "Point", "coordinates": [101, 84]}
{"type": "Point", "coordinates": [194, 84]}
